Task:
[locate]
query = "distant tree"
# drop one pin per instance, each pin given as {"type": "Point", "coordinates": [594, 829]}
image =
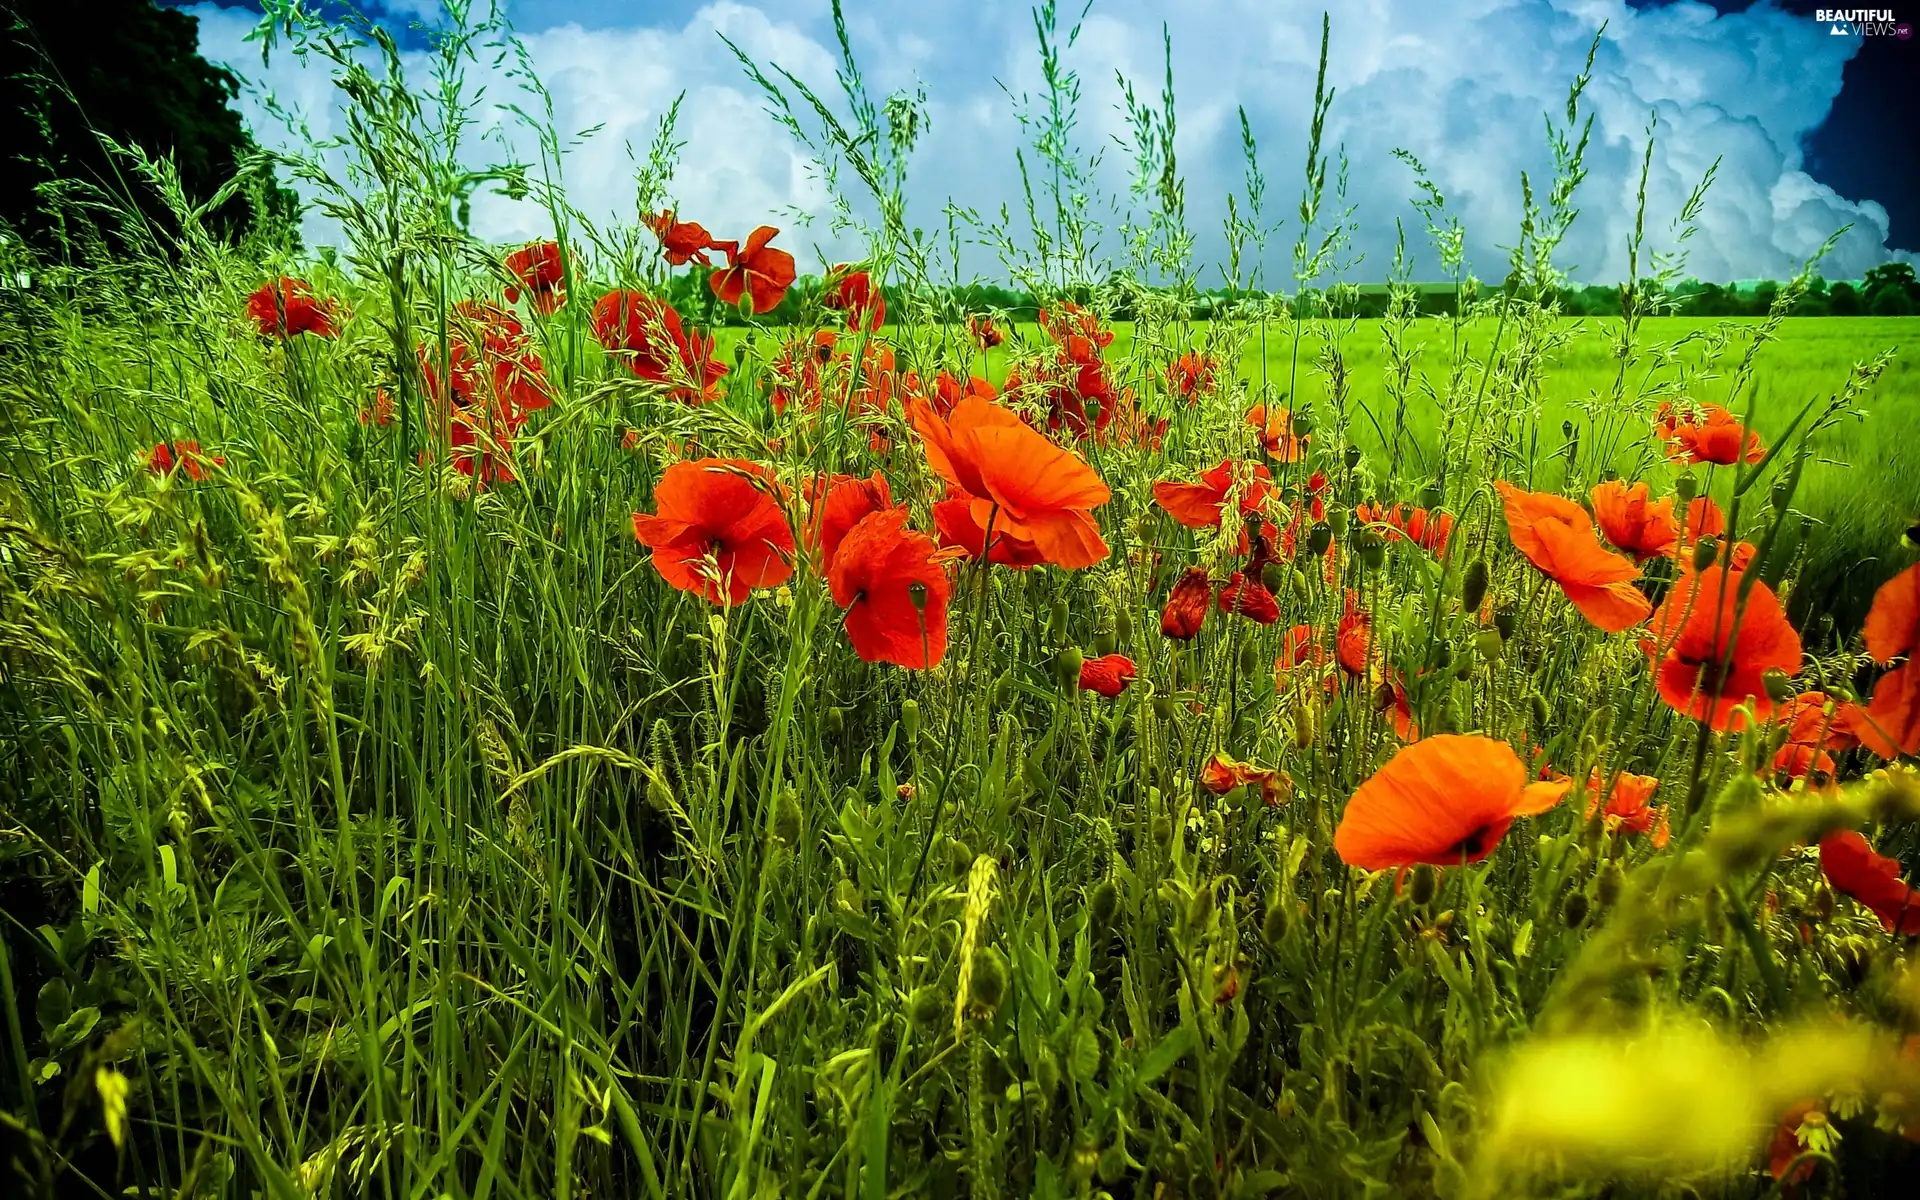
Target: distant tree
{"type": "Point", "coordinates": [1895, 280]}
{"type": "Point", "coordinates": [129, 71]}
{"type": "Point", "coordinates": [1843, 300]}
{"type": "Point", "coordinates": [1764, 294]}
{"type": "Point", "coordinates": [1890, 302]}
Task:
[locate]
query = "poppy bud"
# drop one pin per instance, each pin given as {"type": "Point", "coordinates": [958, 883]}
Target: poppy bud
{"type": "Point", "coordinates": [787, 817]}
{"type": "Point", "coordinates": [1575, 910]}
{"type": "Point", "coordinates": [1321, 536]}
{"type": "Point", "coordinates": [959, 858]}
{"type": "Point", "coordinates": [917, 594]}
{"type": "Point", "coordinates": [926, 1005]}
{"type": "Point", "coordinates": [1057, 617]}
{"type": "Point", "coordinates": [1540, 713]}
{"type": "Point", "coordinates": [1607, 886]}
{"type": "Point", "coordinates": [1442, 655]}
{"type": "Point", "coordinates": [1473, 589]}
{"type": "Point", "coordinates": [1504, 621]}
{"type": "Point", "coordinates": [1123, 625]}
{"type": "Point", "coordinates": [1685, 488]}
{"type": "Point", "coordinates": [1304, 724]}
{"type": "Point", "coordinates": [1273, 926]}
{"type": "Point", "coordinates": [1102, 903]}
{"type": "Point", "coordinates": [745, 304]}
{"type": "Point", "coordinates": [1298, 579]}
{"type": "Point", "coordinates": [910, 719]}
{"type": "Point", "coordinates": [1104, 641]}
{"type": "Point", "coordinates": [1249, 657]}
{"type": "Point", "coordinates": [1273, 576]}
{"type": "Point", "coordinates": [1067, 663]}
{"type": "Point", "coordinates": [1704, 552]}
{"type": "Point", "coordinates": [1200, 908]}
{"type": "Point", "coordinates": [835, 720]}
{"type": "Point", "coordinates": [847, 897]}
{"type": "Point", "coordinates": [1003, 689]}
{"type": "Point", "coordinates": [1162, 829]}
{"type": "Point", "coordinates": [1425, 882]}
{"type": "Point", "coordinates": [1352, 457]}
{"type": "Point", "coordinates": [1302, 425]}
{"type": "Point", "coordinates": [1487, 643]}
{"type": "Point", "coordinates": [989, 980]}
{"type": "Point", "coordinates": [1779, 685]}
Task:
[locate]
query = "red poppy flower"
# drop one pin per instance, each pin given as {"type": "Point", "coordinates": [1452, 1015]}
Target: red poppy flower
{"type": "Point", "coordinates": [1891, 724]}
{"type": "Point", "coordinates": [1298, 649]}
{"type": "Point", "coordinates": [1851, 866]}
{"type": "Point", "coordinates": [1556, 535]}
{"type": "Point", "coordinates": [1018, 484]}
{"type": "Point", "coordinates": [892, 583]}
{"type": "Point", "coordinates": [953, 520]}
{"type": "Point", "coordinates": [1714, 436]}
{"type": "Point", "coordinates": [1706, 663]}
{"type": "Point", "coordinates": [984, 332]}
{"type": "Point", "coordinates": [759, 271]}
{"type": "Point", "coordinates": [1191, 376]}
{"type": "Point", "coordinates": [948, 391]}
{"type": "Point", "coordinates": [841, 502]}
{"type": "Point", "coordinates": [1199, 505]}
{"type": "Point", "coordinates": [287, 308]}
{"type": "Point", "coordinates": [1429, 531]}
{"type": "Point", "coordinates": [1249, 598]}
{"type": "Point", "coordinates": [648, 336]}
{"type": "Point", "coordinates": [1353, 640]}
{"type": "Point", "coordinates": [681, 241]}
{"type": "Point", "coordinates": [853, 293]}
{"type": "Point", "coordinates": [1785, 1147]}
{"type": "Point", "coordinates": [1109, 674]}
{"type": "Point", "coordinates": [380, 412]}
{"type": "Point", "coordinates": [1399, 707]}
{"type": "Point", "coordinates": [1628, 808]}
{"type": "Point", "coordinates": [1221, 775]}
{"type": "Point", "coordinates": [185, 455]}
{"type": "Point", "coordinates": [1633, 521]}
{"type": "Point", "coordinates": [716, 531]}
{"type": "Point", "coordinates": [1704, 519]}
{"type": "Point", "coordinates": [1187, 605]}
{"type": "Point", "coordinates": [1444, 800]}
{"type": "Point", "coordinates": [1276, 433]}
{"type": "Point", "coordinates": [539, 269]}
{"type": "Point", "coordinates": [1816, 719]}
{"type": "Point", "coordinates": [480, 443]}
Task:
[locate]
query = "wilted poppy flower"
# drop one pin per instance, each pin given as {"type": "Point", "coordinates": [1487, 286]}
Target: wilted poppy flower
{"type": "Point", "coordinates": [847, 501]}
{"type": "Point", "coordinates": [1429, 531]}
{"type": "Point", "coordinates": [984, 332]}
{"type": "Point", "coordinates": [681, 241]}
{"type": "Point", "coordinates": [715, 531]}
{"type": "Point", "coordinates": [1445, 800]}
{"type": "Point", "coordinates": [1199, 505]}
{"type": "Point", "coordinates": [1276, 433]}
{"type": "Point", "coordinates": [185, 455]}
{"type": "Point", "coordinates": [1556, 535]}
{"type": "Point", "coordinates": [538, 268]}
{"type": "Point", "coordinates": [853, 293]}
{"type": "Point", "coordinates": [1221, 775]}
{"type": "Point", "coordinates": [1187, 605]}
{"type": "Point", "coordinates": [892, 583]}
{"type": "Point", "coordinates": [1633, 521]}
{"type": "Point", "coordinates": [1891, 724]}
{"type": "Point", "coordinates": [287, 308]}
{"type": "Point", "coordinates": [1707, 663]}
{"type": "Point", "coordinates": [1191, 376]}
{"type": "Point", "coordinates": [1715, 435]}
{"type": "Point", "coordinates": [1109, 674]}
{"type": "Point", "coordinates": [759, 271]}
{"type": "Point", "coordinates": [648, 335]}
{"type": "Point", "coordinates": [1017, 484]}
{"type": "Point", "coordinates": [1851, 866]}
{"type": "Point", "coordinates": [1249, 598]}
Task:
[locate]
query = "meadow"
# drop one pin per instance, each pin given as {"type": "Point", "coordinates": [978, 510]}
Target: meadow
{"type": "Point", "coordinates": [469, 731]}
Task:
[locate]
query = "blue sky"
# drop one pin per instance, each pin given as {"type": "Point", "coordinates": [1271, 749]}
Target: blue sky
{"type": "Point", "coordinates": [1462, 85]}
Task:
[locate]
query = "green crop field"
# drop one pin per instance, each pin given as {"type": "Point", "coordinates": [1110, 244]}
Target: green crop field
{"type": "Point", "coordinates": [471, 730]}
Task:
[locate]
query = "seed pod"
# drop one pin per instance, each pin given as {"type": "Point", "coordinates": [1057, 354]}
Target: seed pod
{"type": "Point", "coordinates": [1373, 554]}
{"type": "Point", "coordinates": [926, 1005]}
{"type": "Point", "coordinates": [1686, 488]}
{"type": "Point", "coordinates": [1352, 457]}
{"type": "Point", "coordinates": [1163, 707]}
{"type": "Point", "coordinates": [1704, 552]}
{"type": "Point", "coordinates": [1273, 577]}
{"type": "Point", "coordinates": [1003, 690]}
{"type": "Point", "coordinates": [1505, 620]}
{"type": "Point", "coordinates": [1104, 641]}
{"type": "Point", "coordinates": [1302, 425]}
{"type": "Point", "coordinates": [1575, 910]}
{"type": "Point", "coordinates": [1432, 496]}
{"type": "Point", "coordinates": [1093, 411]}
{"type": "Point", "coordinates": [1488, 643]}
{"type": "Point", "coordinates": [1426, 881]}
{"type": "Point", "coordinates": [1337, 521]}
{"type": "Point", "coordinates": [1779, 685]}
{"type": "Point", "coordinates": [1782, 493]}
{"type": "Point", "coordinates": [1319, 538]}
{"type": "Point", "coordinates": [1273, 925]}
{"type": "Point", "coordinates": [1473, 589]}
{"type": "Point", "coordinates": [910, 719]}
{"type": "Point", "coordinates": [1067, 664]}
{"type": "Point", "coordinates": [989, 980]}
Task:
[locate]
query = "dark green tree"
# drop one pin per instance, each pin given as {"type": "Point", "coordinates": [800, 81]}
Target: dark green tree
{"type": "Point", "coordinates": [71, 70]}
{"type": "Point", "coordinates": [1891, 290]}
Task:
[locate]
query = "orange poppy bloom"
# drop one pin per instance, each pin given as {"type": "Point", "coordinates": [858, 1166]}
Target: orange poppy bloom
{"type": "Point", "coordinates": [1429, 531]}
{"type": "Point", "coordinates": [954, 521]}
{"type": "Point", "coordinates": [1851, 866]}
{"type": "Point", "coordinates": [185, 455]}
{"type": "Point", "coordinates": [1444, 800]}
{"type": "Point", "coordinates": [1705, 662]}
{"type": "Point", "coordinates": [716, 531]}
{"type": "Point", "coordinates": [1191, 376]}
{"type": "Point", "coordinates": [892, 583]}
{"type": "Point", "coordinates": [1704, 519]}
{"type": "Point", "coordinates": [1109, 674]}
{"type": "Point", "coordinates": [758, 271]}
{"type": "Point", "coordinates": [1018, 484]}
{"type": "Point", "coordinates": [1249, 598]}
{"type": "Point", "coordinates": [1816, 719]}
{"type": "Point", "coordinates": [1891, 725]}
{"type": "Point", "coordinates": [984, 332]}
{"type": "Point", "coordinates": [949, 391]}
{"type": "Point", "coordinates": [1276, 432]}
{"type": "Point", "coordinates": [847, 501]}
{"type": "Point", "coordinates": [853, 293]}
{"type": "Point", "coordinates": [681, 241]}
{"type": "Point", "coordinates": [1556, 535]}
{"type": "Point", "coordinates": [1353, 639]}
{"type": "Point", "coordinates": [1221, 775]}
{"type": "Point", "coordinates": [1200, 505]}
{"type": "Point", "coordinates": [538, 269]}
{"type": "Point", "coordinates": [648, 336]}
{"type": "Point", "coordinates": [1714, 436]}
{"type": "Point", "coordinates": [287, 307]}
{"type": "Point", "coordinates": [1633, 521]}
{"type": "Point", "coordinates": [1187, 605]}
{"type": "Point", "coordinates": [1627, 804]}
{"type": "Point", "coordinates": [1298, 649]}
